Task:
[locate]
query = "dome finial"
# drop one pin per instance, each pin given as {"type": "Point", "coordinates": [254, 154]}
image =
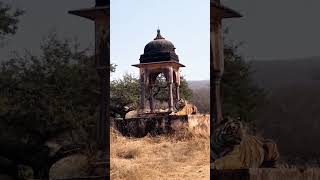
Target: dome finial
{"type": "Point", "coordinates": [158, 34]}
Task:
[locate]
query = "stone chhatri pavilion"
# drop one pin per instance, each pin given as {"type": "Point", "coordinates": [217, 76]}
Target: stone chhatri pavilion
{"type": "Point", "coordinates": [159, 57]}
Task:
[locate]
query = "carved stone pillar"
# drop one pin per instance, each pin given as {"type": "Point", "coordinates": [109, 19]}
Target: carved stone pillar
{"type": "Point", "coordinates": [217, 68]}
{"type": "Point", "coordinates": [151, 100]}
{"type": "Point", "coordinates": [170, 96]}
{"type": "Point", "coordinates": [218, 12]}
{"type": "Point", "coordinates": [177, 83]}
{"type": "Point", "coordinates": [177, 91]}
{"type": "Point", "coordinates": [170, 85]}
{"type": "Point", "coordinates": [102, 59]}
{"type": "Point", "coordinates": [142, 90]}
{"type": "Point", "coordinates": [217, 105]}
{"type": "Point", "coordinates": [100, 14]}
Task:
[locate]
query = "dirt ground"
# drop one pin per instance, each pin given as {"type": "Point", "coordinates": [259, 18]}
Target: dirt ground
{"type": "Point", "coordinates": [181, 156]}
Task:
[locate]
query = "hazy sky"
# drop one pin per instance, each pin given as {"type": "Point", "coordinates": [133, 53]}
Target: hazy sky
{"type": "Point", "coordinates": [183, 22]}
{"type": "Point", "coordinates": [276, 29]}
{"type": "Point", "coordinates": [270, 29]}
{"type": "Point", "coordinates": [44, 16]}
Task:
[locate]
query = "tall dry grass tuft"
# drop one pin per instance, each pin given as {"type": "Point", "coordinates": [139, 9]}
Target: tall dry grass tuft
{"type": "Point", "coordinates": [182, 155]}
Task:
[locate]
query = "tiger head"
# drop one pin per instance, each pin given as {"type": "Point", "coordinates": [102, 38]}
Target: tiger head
{"type": "Point", "coordinates": [227, 134]}
{"type": "Point", "coordinates": [181, 103]}
{"type": "Point", "coordinates": [231, 132]}
{"type": "Point", "coordinates": [246, 151]}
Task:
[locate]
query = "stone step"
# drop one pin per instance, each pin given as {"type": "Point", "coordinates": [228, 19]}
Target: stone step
{"type": "Point", "coordinates": [153, 125]}
{"type": "Point", "coordinates": [268, 174]}
{"type": "Point", "coordinates": [87, 177]}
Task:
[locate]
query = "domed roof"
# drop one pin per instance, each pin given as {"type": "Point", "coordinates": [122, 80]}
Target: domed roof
{"type": "Point", "coordinates": [159, 44]}
{"type": "Point", "coordinates": [159, 50]}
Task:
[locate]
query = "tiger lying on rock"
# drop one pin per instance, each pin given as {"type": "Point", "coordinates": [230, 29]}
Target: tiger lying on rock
{"type": "Point", "coordinates": [234, 148]}
{"type": "Point", "coordinates": [185, 108]}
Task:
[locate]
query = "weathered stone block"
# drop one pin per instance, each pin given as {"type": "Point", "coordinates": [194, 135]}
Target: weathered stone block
{"type": "Point", "coordinates": [140, 127]}
{"type": "Point", "coordinates": [267, 174]}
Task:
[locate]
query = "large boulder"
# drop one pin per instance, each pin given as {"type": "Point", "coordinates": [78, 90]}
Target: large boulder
{"type": "Point", "coordinates": [72, 166]}
{"type": "Point", "coordinates": [199, 124]}
{"type": "Point", "coordinates": [132, 114]}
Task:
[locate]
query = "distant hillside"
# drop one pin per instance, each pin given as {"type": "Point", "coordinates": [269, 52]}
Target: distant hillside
{"type": "Point", "coordinates": [201, 95]}
{"type": "Point", "coordinates": [273, 74]}
{"type": "Point", "coordinates": [199, 84]}
{"type": "Point", "coordinates": [291, 113]}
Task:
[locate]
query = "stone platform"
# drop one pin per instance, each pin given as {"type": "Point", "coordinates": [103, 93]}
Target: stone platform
{"type": "Point", "coordinates": [267, 174]}
{"type": "Point", "coordinates": [152, 124]}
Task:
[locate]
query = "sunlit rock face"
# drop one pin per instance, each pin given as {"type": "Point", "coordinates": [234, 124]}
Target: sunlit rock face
{"type": "Point", "coordinates": [199, 124]}
{"type": "Point", "coordinates": [162, 121]}
{"type": "Point", "coordinates": [72, 166]}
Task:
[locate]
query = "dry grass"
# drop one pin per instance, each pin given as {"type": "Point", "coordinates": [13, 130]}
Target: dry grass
{"type": "Point", "coordinates": [185, 155]}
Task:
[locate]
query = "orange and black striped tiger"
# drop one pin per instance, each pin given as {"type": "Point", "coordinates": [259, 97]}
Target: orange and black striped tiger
{"type": "Point", "coordinates": [234, 148]}
{"type": "Point", "coordinates": [185, 108]}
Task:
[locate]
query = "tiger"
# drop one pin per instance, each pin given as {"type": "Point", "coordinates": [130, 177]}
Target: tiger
{"type": "Point", "coordinates": [234, 148]}
{"type": "Point", "coordinates": [183, 107]}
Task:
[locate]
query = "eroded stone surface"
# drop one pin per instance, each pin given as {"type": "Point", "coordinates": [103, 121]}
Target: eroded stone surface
{"type": "Point", "coordinates": [72, 166]}
{"type": "Point", "coordinates": [154, 125]}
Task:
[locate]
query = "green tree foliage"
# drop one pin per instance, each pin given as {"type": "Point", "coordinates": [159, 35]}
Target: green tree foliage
{"type": "Point", "coordinates": [185, 91]}
{"type": "Point", "coordinates": [44, 96]}
{"type": "Point", "coordinates": [123, 92]}
{"type": "Point", "coordinates": [241, 96]}
{"type": "Point", "coordinates": [8, 19]}
{"type": "Point", "coordinates": [41, 96]}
